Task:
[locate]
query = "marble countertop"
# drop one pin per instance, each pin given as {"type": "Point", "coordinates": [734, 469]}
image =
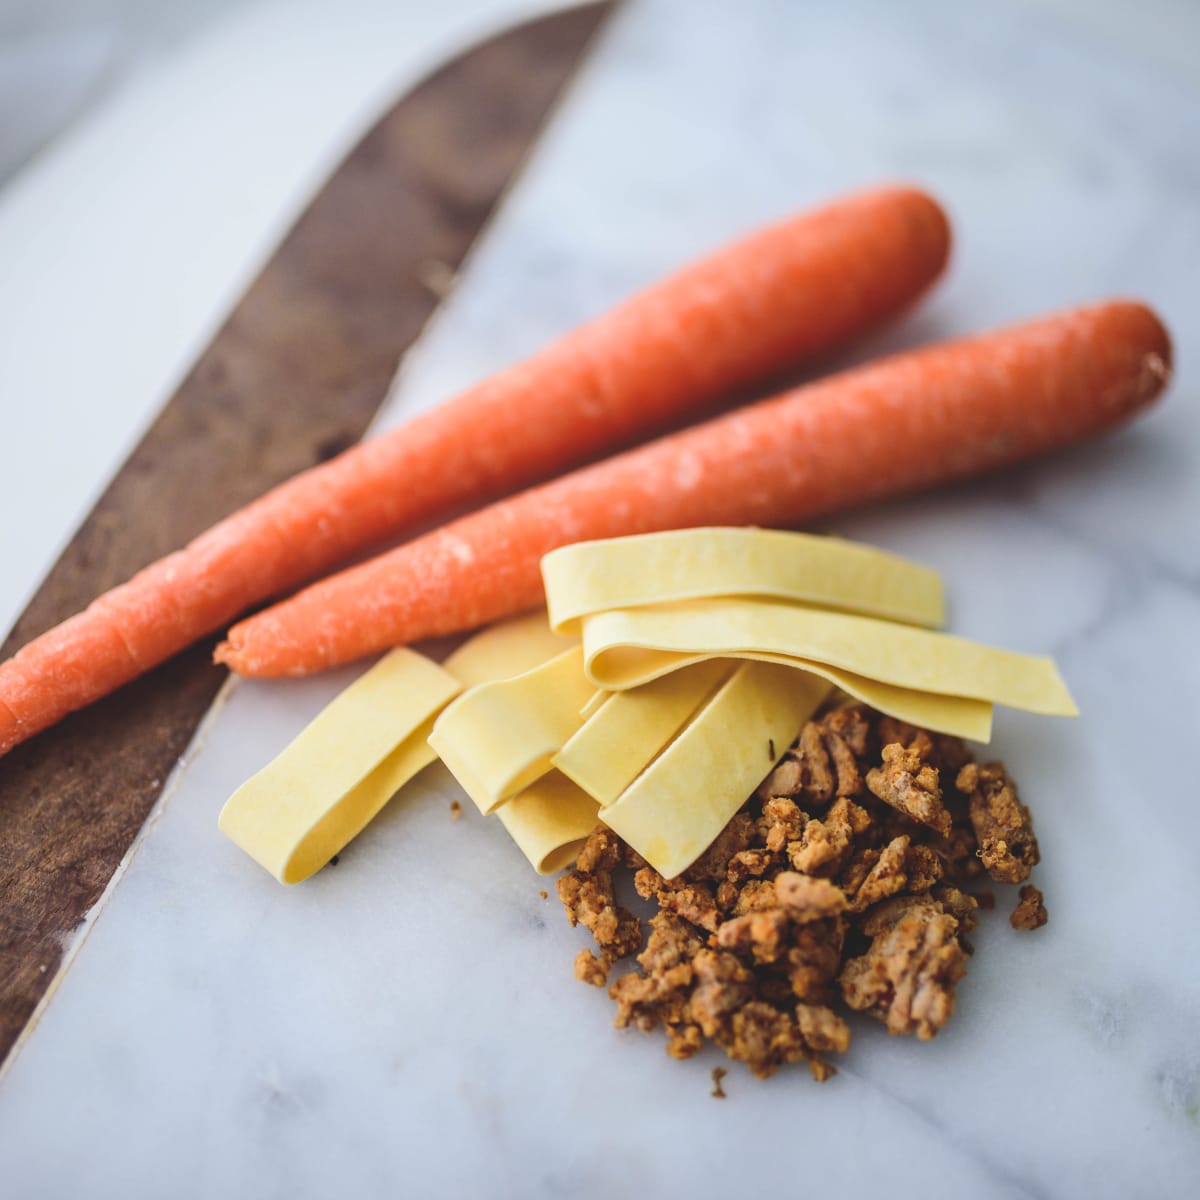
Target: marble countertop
{"type": "Point", "coordinates": [407, 1022]}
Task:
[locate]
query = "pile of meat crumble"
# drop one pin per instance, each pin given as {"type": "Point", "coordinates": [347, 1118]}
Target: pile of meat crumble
{"type": "Point", "coordinates": [847, 878]}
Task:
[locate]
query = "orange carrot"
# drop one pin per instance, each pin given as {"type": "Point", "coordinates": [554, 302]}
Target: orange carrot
{"type": "Point", "coordinates": [782, 295]}
{"type": "Point", "coordinates": [918, 419]}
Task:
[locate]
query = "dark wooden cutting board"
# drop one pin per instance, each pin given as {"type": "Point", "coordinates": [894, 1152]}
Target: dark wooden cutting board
{"type": "Point", "coordinates": [292, 378]}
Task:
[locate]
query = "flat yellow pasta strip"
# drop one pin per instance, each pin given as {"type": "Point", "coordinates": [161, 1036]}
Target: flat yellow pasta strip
{"type": "Point", "coordinates": [676, 808]}
{"type": "Point", "coordinates": [507, 649]}
{"type": "Point", "coordinates": [549, 821]}
{"type": "Point", "coordinates": [335, 776]}
{"type": "Point", "coordinates": [624, 648]}
{"type": "Point", "coordinates": [630, 728]}
{"type": "Point", "coordinates": [498, 737]}
{"type": "Point", "coordinates": [687, 564]}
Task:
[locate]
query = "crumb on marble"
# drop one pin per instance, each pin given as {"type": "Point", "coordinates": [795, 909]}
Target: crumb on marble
{"type": "Point", "coordinates": [591, 969]}
{"type": "Point", "coordinates": [455, 810]}
{"type": "Point", "coordinates": [718, 1092]}
{"type": "Point", "coordinates": [840, 888]}
{"type": "Point", "coordinates": [545, 895]}
{"type": "Point", "coordinates": [1030, 912]}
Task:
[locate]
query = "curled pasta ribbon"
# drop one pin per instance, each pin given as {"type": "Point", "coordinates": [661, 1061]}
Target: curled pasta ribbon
{"type": "Point", "coordinates": [626, 648]}
{"type": "Point", "coordinates": [499, 737]}
{"type": "Point", "coordinates": [335, 776]}
{"type": "Point", "coordinates": [936, 680]}
{"type": "Point", "coordinates": [550, 820]}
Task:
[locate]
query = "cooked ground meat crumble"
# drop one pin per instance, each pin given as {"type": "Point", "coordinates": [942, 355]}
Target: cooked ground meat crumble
{"type": "Point", "coordinates": [842, 883]}
{"type": "Point", "coordinates": [1030, 912]}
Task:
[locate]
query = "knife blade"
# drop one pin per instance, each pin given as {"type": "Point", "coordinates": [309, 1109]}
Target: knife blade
{"type": "Point", "coordinates": [292, 378]}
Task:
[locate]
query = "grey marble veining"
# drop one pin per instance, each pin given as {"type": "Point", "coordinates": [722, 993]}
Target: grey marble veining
{"type": "Point", "coordinates": [406, 1022]}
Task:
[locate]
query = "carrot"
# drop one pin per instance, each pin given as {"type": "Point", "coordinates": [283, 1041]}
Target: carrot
{"type": "Point", "coordinates": [781, 295]}
{"type": "Point", "coordinates": [918, 419]}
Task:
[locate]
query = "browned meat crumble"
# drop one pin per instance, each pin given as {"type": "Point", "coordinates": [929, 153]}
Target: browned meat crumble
{"type": "Point", "coordinates": [1030, 912]}
{"type": "Point", "coordinates": [1002, 824]}
{"type": "Point", "coordinates": [841, 885]}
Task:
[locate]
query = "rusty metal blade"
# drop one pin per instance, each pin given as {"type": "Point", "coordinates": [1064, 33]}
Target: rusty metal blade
{"type": "Point", "coordinates": [293, 377]}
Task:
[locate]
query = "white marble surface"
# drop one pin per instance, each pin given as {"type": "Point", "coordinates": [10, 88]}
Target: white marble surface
{"type": "Point", "coordinates": [406, 1023]}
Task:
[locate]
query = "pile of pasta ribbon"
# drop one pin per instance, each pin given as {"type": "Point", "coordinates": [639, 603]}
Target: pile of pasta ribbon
{"type": "Point", "coordinates": [669, 674]}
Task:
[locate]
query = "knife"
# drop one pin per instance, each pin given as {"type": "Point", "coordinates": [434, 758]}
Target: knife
{"type": "Point", "coordinates": [293, 377]}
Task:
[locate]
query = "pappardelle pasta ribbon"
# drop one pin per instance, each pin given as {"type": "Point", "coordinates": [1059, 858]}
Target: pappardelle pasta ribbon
{"type": "Point", "coordinates": [625, 648]}
{"type": "Point", "coordinates": [692, 564]}
{"type": "Point", "coordinates": [305, 805]}
{"type": "Point", "coordinates": [498, 737]}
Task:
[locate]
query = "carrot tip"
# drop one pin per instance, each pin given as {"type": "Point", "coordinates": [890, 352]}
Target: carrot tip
{"type": "Point", "coordinates": [1152, 343]}
{"type": "Point", "coordinates": [1154, 377]}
